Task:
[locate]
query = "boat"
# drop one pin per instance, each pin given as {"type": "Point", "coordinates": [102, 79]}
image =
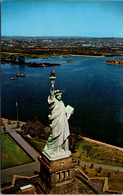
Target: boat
{"type": "Point", "coordinates": [12, 78]}
{"type": "Point", "coordinates": [115, 62]}
{"type": "Point", "coordinates": [71, 61]}
{"type": "Point", "coordinates": [20, 75]}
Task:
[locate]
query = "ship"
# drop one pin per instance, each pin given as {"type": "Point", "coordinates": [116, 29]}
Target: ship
{"type": "Point", "coordinates": [71, 61]}
{"type": "Point", "coordinates": [115, 62]}
{"type": "Point", "coordinates": [20, 75]}
{"type": "Point", "coordinates": [12, 78]}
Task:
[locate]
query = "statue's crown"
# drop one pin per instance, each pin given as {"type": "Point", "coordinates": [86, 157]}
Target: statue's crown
{"type": "Point", "coordinates": [58, 92]}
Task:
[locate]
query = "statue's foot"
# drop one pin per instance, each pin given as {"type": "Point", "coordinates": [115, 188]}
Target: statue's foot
{"type": "Point", "coordinates": [50, 151]}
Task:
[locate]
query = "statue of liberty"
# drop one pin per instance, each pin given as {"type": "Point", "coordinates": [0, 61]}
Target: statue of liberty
{"type": "Point", "coordinates": [57, 143]}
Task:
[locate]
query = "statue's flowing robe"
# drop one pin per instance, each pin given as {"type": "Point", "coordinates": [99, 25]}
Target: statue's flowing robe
{"type": "Point", "coordinates": [59, 123]}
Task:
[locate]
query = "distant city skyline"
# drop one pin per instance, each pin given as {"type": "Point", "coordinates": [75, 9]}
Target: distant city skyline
{"type": "Point", "coordinates": [62, 18]}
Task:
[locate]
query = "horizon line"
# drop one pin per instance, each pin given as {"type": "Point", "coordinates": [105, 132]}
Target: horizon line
{"type": "Point", "coordinates": [60, 36]}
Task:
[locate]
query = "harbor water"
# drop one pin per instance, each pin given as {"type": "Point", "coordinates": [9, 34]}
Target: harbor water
{"type": "Point", "coordinates": [92, 87]}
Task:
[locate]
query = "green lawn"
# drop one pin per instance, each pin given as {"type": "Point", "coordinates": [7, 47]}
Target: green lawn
{"type": "Point", "coordinates": [38, 144]}
{"type": "Point", "coordinates": [92, 152]}
{"type": "Point", "coordinates": [12, 154]}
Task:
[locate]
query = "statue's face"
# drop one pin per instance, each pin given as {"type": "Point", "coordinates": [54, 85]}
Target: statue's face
{"type": "Point", "coordinates": [58, 97]}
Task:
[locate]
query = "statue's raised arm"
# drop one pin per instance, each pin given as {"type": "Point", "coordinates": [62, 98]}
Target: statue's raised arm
{"type": "Point", "coordinates": [52, 81]}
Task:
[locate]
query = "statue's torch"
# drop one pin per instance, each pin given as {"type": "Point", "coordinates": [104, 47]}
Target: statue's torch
{"type": "Point", "coordinates": [52, 79]}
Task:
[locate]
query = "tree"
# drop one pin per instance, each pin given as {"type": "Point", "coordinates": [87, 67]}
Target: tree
{"type": "Point", "coordinates": [84, 168]}
{"type": "Point", "coordinates": [109, 174]}
{"type": "Point", "coordinates": [99, 170]}
{"type": "Point", "coordinates": [92, 165]}
{"type": "Point", "coordinates": [12, 58]}
{"type": "Point", "coordinates": [21, 59]}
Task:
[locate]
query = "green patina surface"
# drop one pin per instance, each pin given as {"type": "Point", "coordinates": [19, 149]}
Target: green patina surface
{"type": "Point", "coordinates": [11, 154]}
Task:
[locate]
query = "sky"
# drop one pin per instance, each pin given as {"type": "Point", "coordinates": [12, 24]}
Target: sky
{"type": "Point", "coordinates": [62, 18]}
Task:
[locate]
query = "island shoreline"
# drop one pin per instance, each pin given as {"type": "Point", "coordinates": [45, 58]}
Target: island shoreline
{"type": "Point", "coordinates": [84, 138]}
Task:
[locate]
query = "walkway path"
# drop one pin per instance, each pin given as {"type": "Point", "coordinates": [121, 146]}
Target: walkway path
{"type": "Point", "coordinates": [29, 149]}
{"type": "Point", "coordinates": [25, 170]}
{"type": "Point", "coordinates": [109, 167]}
{"type": "Point", "coordinates": [96, 186]}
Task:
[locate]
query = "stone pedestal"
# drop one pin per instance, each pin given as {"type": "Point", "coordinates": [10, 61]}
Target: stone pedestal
{"type": "Point", "coordinates": [58, 176]}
